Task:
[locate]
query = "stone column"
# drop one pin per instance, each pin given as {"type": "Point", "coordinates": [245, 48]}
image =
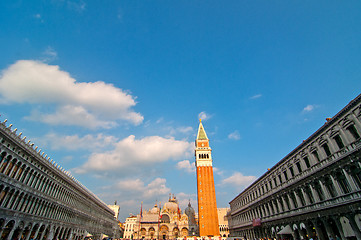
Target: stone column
{"type": "Point", "coordinates": [284, 203]}
{"type": "Point", "coordinates": [331, 145]}
{"type": "Point", "coordinates": [270, 208]}
{"type": "Point", "coordinates": [324, 189]}
{"type": "Point", "coordinates": [50, 234]}
{"type": "Point", "coordinates": [298, 200]}
{"type": "Point", "coordinates": [350, 180]}
{"type": "Point", "coordinates": [1, 231]}
{"type": "Point", "coordinates": [354, 226]}
{"type": "Point", "coordinates": [337, 186]}
{"type": "Point", "coordinates": [357, 123]}
{"type": "Point", "coordinates": [303, 235]}
{"type": "Point", "coordinates": [37, 232]}
{"type": "Point", "coordinates": [346, 139]}
{"type": "Point", "coordinates": [321, 154]}
{"type": "Point", "coordinates": [313, 192]}
{"type": "Point", "coordinates": [9, 237]}
{"type": "Point", "coordinates": [309, 231]}
{"type": "Point", "coordinates": [336, 219]}
{"type": "Point", "coordinates": [318, 230]}
{"type": "Point", "coordinates": [330, 232]}
{"type": "Point", "coordinates": [292, 206]}
{"type": "Point", "coordinates": [28, 234]}
{"type": "Point", "coordinates": [305, 196]}
{"type": "Point", "coordinates": [279, 206]}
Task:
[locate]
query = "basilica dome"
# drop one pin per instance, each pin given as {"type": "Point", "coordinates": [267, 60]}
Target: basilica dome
{"type": "Point", "coordinates": [189, 210]}
{"type": "Point", "coordinates": [172, 205]}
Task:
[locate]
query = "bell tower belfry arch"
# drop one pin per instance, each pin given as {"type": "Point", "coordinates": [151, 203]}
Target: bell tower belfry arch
{"type": "Point", "coordinates": [206, 194]}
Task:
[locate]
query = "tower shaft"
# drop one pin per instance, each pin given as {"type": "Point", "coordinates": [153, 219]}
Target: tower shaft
{"type": "Point", "coordinates": [206, 194]}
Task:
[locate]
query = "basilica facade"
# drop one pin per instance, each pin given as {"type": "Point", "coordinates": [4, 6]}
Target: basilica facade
{"type": "Point", "coordinates": [313, 192]}
{"type": "Point", "coordinates": [165, 223]}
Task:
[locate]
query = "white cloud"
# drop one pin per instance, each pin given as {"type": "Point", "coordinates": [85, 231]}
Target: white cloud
{"type": "Point", "coordinates": [77, 5]}
{"type": "Point", "coordinates": [49, 55]}
{"type": "Point", "coordinates": [132, 154]}
{"type": "Point", "coordinates": [34, 82]}
{"type": "Point", "coordinates": [204, 116]}
{"type": "Point", "coordinates": [238, 180]}
{"type": "Point", "coordinates": [218, 171]}
{"type": "Point", "coordinates": [74, 142]}
{"type": "Point", "coordinates": [71, 116]}
{"type": "Point", "coordinates": [186, 166]}
{"type": "Point", "coordinates": [234, 135]}
{"type": "Point", "coordinates": [137, 187]}
{"type": "Point", "coordinates": [256, 96]}
{"type": "Point", "coordinates": [308, 108]}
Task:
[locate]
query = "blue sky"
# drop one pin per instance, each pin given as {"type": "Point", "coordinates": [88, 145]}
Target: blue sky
{"type": "Point", "coordinates": [113, 90]}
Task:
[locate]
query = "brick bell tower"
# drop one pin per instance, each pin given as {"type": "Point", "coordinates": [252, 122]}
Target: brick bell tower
{"type": "Point", "coordinates": [207, 205]}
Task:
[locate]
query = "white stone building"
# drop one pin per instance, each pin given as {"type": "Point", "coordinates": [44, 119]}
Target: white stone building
{"type": "Point", "coordinates": [314, 191]}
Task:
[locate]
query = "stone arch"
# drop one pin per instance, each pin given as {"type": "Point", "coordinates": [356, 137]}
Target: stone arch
{"type": "Point", "coordinates": [18, 230]}
{"type": "Point", "coordinates": [175, 232]}
{"type": "Point", "coordinates": [5, 163]}
{"type": "Point", "coordinates": [184, 232]}
{"type": "Point", "coordinates": [27, 230]}
{"type": "Point", "coordinates": [34, 230]}
{"type": "Point", "coordinates": [142, 233]}
{"type": "Point", "coordinates": [46, 232]}
{"type": "Point", "coordinates": [163, 232]}
{"type": "Point", "coordinates": [165, 218]}
{"type": "Point", "coordinates": [7, 229]}
{"type": "Point", "coordinates": [13, 199]}
{"type": "Point", "coordinates": [8, 197]}
{"type": "Point", "coordinates": [151, 233]}
{"type": "Point", "coordinates": [3, 194]}
{"type": "Point", "coordinates": [24, 174]}
{"type": "Point", "coordinates": [16, 167]}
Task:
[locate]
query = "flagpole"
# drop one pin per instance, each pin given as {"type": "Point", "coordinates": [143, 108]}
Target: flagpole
{"type": "Point", "coordinates": [140, 217]}
{"type": "Point", "coordinates": [160, 208]}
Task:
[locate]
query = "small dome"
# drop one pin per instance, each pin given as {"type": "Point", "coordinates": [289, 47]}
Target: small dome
{"type": "Point", "coordinates": [189, 210]}
{"type": "Point", "coordinates": [154, 209]}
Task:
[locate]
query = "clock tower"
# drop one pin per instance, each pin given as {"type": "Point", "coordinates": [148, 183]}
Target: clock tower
{"type": "Point", "coordinates": [206, 194]}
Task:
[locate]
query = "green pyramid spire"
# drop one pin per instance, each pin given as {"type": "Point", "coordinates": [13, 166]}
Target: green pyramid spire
{"type": "Point", "coordinates": [201, 133]}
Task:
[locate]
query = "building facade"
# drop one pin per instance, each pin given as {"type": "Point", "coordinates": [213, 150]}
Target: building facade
{"type": "Point", "coordinates": [40, 200]}
{"type": "Point", "coordinates": [164, 223]}
{"type": "Point", "coordinates": [314, 191]}
{"type": "Point", "coordinates": [129, 227]}
{"type": "Point", "coordinates": [206, 194]}
{"type": "Point", "coordinates": [223, 221]}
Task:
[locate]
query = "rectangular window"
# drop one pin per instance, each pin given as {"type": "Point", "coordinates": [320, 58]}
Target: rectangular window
{"type": "Point", "coordinates": [275, 182]}
{"type": "Point", "coordinates": [299, 167]}
{"type": "Point", "coordinates": [270, 184]}
{"type": "Point", "coordinates": [326, 149]}
{"type": "Point", "coordinates": [353, 132]}
{"type": "Point", "coordinates": [315, 154]}
{"type": "Point", "coordinates": [292, 173]}
{"type": "Point", "coordinates": [280, 178]}
{"type": "Point", "coordinates": [307, 162]}
{"type": "Point", "coordinates": [339, 142]}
